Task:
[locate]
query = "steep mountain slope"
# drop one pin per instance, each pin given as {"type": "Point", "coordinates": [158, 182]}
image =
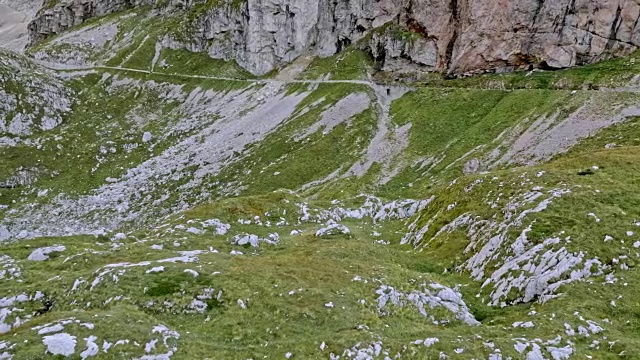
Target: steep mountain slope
{"type": "Point", "coordinates": [33, 99]}
{"type": "Point", "coordinates": [15, 16]}
{"type": "Point", "coordinates": [185, 208]}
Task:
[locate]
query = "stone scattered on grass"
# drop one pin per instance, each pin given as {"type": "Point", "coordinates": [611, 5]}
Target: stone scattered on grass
{"type": "Point", "coordinates": [42, 254]}
{"type": "Point", "coordinates": [150, 346]}
{"type": "Point", "coordinates": [522, 324]}
{"type": "Point", "coordinates": [9, 269]}
{"type": "Point", "coordinates": [51, 329]}
{"type": "Point", "coordinates": [430, 341]}
{"type": "Point", "coordinates": [560, 353]}
{"type": "Point", "coordinates": [192, 272]}
{"type": "Point", "coordinates": [118, 237]}
{"type": "Point", "coordinates": [219, 227]}
{"type": "Point", "coordinates": [242, 304]}
{"type": "Point", "coordinates": [255, 240]}
{"type": "Point", "coordinates": [92, 347]}
{"type": "Point", "coordinates": [194, 231]}
{"type": "Point", "coordinates": [520, 347]}
{"type": "Point", "coordinates": [60, 344]}
{"type": "Point", "coordinates": [432, 296]}
{"type": "Point", "coordinates": [332, 228]}
{"type": "Point", "coordinates": [146, 137]}
{"type": "Point", "coordinates": [157, 269]}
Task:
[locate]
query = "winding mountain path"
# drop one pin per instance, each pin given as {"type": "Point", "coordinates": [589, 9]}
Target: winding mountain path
{"type": "Point", "coordinates": [386, 144]}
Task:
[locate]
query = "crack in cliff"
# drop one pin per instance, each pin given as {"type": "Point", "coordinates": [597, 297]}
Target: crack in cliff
{"type": "Point", "coordinates": [455, 24]}
{"type": "Point", "coordinates": [612, 40]}
{"type": "Point", "coordinates": [563, 23]}
{"type": "Point", "coordinates": [569, 10]}
{"type": "Point", "coordinates": [537, 12]}
{"type": "Point", "coordinates": [591, 32]}
{"type": "Point", "coordinates": [615, 26]}
{"type": "Point", "coordinates": [635, 23]}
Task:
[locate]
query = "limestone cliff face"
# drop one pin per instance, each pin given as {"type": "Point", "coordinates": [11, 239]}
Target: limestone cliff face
{"type": "Point", "coordinates": [458, 36]}
{"type": "Point", "coordinates": [450, 36]}
{"type": "Point", "coordinates": [69, 13]}
{"type": "Point", "coordinates": [265, 34]}
{"type": "Point", "coordinates": [15, 15]}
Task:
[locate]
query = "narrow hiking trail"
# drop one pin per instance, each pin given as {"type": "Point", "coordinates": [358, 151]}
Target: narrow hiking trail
{"type": "Point", "coordinates": [387, 143]}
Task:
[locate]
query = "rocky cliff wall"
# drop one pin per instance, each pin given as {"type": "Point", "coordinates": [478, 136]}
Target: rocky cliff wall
{"type": "Point", "coordinates": [459, 36]}
{"type": "Point", "coordinates": [15, 15]}
{"type": "Point", "coordinates": [449, 36]}
{"type": "Point", "coordinates": [68, 13]}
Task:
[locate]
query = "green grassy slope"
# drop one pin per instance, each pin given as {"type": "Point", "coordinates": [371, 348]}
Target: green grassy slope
{"type": "Point", "coordinates": [287, 286]}
{"type": "Point", "coordinates": [314, 296]}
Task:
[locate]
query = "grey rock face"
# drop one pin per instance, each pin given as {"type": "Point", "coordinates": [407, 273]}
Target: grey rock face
{"type": "Point", "coordinates": [262, 35]}
{"type": "Point", "coordinates": [477, 35]}
{"type": "Point", "coordinates": [69, 13]}
{"type": "Point", "coordinates": [432, 35]}
{"type": "Point", "coordinates": [432, 296]}
{"type": "Point", "coordinates": [78, 48]}
{"type": "Point", "coordinates": [15, 15]}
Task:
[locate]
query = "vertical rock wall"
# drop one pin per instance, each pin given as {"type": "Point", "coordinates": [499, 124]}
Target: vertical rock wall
{"type": "Point", "coordinates": [450, 36]}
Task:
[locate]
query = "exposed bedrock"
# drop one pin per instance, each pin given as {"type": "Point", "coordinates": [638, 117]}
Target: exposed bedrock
{"type": "Point", "coordinates": [449, 36]}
